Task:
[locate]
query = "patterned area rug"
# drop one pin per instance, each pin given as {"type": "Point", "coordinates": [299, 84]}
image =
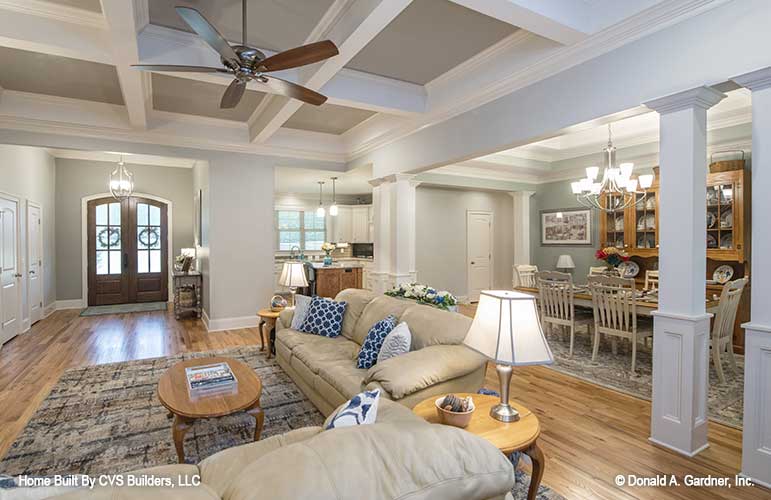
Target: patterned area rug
{"type": "Point", "coordinates": [124, 308]}
{"type": "Point", "coordinates": [725, 401]}
{"type": "Point", "coordinates": [107, 418]}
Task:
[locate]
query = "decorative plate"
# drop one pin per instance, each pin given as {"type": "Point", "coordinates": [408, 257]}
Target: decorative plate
{"type": "Point", "coordinates": [727, 241]}
{"type": "Point", "coordinates": [727, 218]}
{"type": "Point", "coordinates": [629, 269]}
{"type": "Point", "coordinates": [650, 203]}
{"type": "Point", "coordinates": [712, 196]}
{"type": "Point", "coordinates": [619, 224]}
{"type": "Point", "coordinates": [711, 219]}
{"type": "Point", "coordinates": [711, 241]}
{"type": "Point", "coordinates": [650, 221]}
{"type": "Point", "coordinates": [723, 274]}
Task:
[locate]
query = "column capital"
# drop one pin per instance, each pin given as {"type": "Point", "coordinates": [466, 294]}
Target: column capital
{"type": "Point", "coordinates": [700, 97]}
{"type": "Point", "coordinates": [755, 80]}
{"type": "Point", "coordinates": [395, 178]}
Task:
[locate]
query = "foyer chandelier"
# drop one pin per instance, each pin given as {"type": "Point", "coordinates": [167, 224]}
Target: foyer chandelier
{"type": "Point", "coordinates": [617, 189]}
{"type": "Point", "coordinates": [121, 181]}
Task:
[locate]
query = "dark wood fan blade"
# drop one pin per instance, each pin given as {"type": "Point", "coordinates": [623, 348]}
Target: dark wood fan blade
{"type": "Point", "coordinates": [233, 94]}
{"type": "Point", "coordinates": [209, 33]}
{"type": "Point", "coordinates": [290, 89]}
{"type": "Point", "coordinates": [174, 67]}
{"type": "Point", "coordinates": [300, 56]}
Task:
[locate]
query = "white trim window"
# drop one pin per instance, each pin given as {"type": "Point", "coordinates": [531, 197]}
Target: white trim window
{"type": "Point", "coordinates": [299, 228]}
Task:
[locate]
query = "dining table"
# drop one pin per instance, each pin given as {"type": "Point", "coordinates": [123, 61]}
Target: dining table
{"type": "Point", "coordinates": [646, 303]}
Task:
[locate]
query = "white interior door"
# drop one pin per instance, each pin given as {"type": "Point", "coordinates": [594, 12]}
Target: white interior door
{"type": "Point", "coordinates": [10, 322]}
{"type": "Point", "coordinates": [479, 252]}
{"type": "Point", "coordinates": [34, 263]}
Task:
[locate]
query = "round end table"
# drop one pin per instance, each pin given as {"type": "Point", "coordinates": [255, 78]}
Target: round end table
{"type": "Point", "coordinates": [268, 320]}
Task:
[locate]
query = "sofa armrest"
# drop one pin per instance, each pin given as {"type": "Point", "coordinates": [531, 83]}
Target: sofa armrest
{"type": "Point", "coordinates": [417, 370]}
{"type": "Point", "coordinates": [285, 319]}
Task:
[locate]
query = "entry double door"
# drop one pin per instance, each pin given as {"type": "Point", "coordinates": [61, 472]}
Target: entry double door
{"type": "Point", "coordinates": [127, 251]}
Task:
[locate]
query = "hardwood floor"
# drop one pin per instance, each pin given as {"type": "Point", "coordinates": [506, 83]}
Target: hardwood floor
{"type": "Point", "coordinates": [589, 434]}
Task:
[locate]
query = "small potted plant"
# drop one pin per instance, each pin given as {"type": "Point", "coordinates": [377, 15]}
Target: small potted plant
{"type": "Point", "coordinates": [328, 248]}
{"type": "Point", "coordinates": [612, 257]}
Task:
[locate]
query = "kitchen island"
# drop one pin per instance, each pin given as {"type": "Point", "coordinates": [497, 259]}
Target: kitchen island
{"type": "Point", "coordinates": [332, 279]}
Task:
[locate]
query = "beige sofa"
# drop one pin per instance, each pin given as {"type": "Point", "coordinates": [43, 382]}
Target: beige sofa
{"type": "Point", "coordinates": [400, 457]}
{"type": "Point", "coordinates": [325, 368]}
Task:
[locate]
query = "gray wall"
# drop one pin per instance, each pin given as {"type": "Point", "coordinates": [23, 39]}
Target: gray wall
{"type": "Point", "coordinates": [28, 173]}
{"type": "Point", "coordinates": [201, 185]}
{"type": "Point", "coordinates": [441, 236]}
{"type": "Point", "coordinates": [78, 178]}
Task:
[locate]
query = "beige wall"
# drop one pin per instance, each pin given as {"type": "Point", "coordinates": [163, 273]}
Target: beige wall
{"type": "Point", "coordinates": [78, 178]}
{"type": "Point", "coordinates": [441, 236]}
{"type": "Point", "coordinates": [201, 185]}
{"type": "Point", "coordinates": [28, 173]}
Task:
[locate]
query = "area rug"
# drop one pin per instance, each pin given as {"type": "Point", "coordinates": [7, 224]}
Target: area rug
{"type": "Point", "coordinates": [107, 418]}
{"type": "Point", "coordinates": [725, 400]}
{"type": "Point", "coordinates": [123, 308]}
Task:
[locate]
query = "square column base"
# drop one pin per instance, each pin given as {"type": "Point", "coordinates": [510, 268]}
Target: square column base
{"type": "Point", "coordinates": [680, 382]}
{"type": "Point", "coordinates": [756, 434]}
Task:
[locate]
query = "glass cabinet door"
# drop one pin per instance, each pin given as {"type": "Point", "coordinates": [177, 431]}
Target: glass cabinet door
{"type": "Point", "coordinates": [614, 223]}
{"type": "Point", "coordinates": [645, 220]}
{"type": "Point", "coordinates": [720, 217]}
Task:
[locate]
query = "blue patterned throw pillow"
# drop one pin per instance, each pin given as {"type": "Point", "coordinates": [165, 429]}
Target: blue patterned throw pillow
{"type": "Point", "coordinates": [374, 341]}
{"type": "Point", "coordinates": [325, 317]}
{"type": "Point", "coordinates": [359, 410]}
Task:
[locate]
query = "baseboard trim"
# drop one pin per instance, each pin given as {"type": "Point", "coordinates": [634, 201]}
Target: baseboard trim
{"type": "Point", "coordinates": [48, 310]}
{"type": "Point", "coordinates": [218, 325]}
{"type": "Point", "coordinates": [689, 454]}
{"type": "Point", "coordinates": [69, 304]}
{"type": "Point", "coordinates": [26, 324]}
{"type": "Point", "coordinates": [205, 319]}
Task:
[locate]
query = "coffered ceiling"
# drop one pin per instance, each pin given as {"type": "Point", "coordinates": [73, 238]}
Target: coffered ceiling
{"type": "Point", "coordinates": [327, 118]}
{"type": "Point", "coordinates": [90, 5]}
{"type": "Point", "coordinates": [191, 97]}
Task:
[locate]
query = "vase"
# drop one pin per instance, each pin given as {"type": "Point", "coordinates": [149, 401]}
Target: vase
{"type": "Point", "coordinates": [327, 260]}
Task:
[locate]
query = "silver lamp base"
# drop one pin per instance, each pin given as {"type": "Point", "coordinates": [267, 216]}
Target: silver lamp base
{"type": "Point", "coordinates": [504, 411]}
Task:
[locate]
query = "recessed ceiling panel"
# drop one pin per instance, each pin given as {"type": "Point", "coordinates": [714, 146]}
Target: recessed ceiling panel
{"type": "Point", "coordinates": [59, 76]}
{"type": "Point", "coordinates": [191, 97]}
{"type": "Point", "coordinates": [273, 24]}
{"type": "Point", "coordinates": [92, 5]}
{"type": "Point", "coordinates": [427, 39]}
{"type": "Point", "coordinates": [327, 118]}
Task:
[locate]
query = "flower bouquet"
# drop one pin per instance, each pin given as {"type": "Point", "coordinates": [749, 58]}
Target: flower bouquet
{"type": "Point", "coordinates": [425, 294]}
{"type": "Point", "coordinates": [612, 256]}
{"type": "Point", "coordinates": [328, 248]}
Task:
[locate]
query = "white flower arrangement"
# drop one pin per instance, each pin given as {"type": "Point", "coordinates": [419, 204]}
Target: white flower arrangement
{"type": "Point", "coordinates": [425, 295]}
{"type": "Point", "coordinates": [328, 247]}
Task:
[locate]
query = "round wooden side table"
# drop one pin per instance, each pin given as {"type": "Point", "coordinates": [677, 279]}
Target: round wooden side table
{"type": "Point", "coordinates": [174, 395]}
{"type": "Point", "coordinates": [513, 437]}
{"type": "Point", "coordinates": [268, 319]}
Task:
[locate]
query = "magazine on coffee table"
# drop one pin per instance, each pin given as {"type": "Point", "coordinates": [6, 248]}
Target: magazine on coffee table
{"type": "Point", "coordinates": [209, 378]}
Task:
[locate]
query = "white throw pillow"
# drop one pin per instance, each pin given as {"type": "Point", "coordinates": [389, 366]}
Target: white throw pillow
{"type": "Point", "coordinates": [301, 304]}
{"type": "Point", "coordinates": [359, 410]}
{"type": "Point", "coordinates": [396, 343]}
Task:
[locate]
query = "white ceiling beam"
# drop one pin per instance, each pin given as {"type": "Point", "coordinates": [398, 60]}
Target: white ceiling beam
{"type": "Point", "coordinates": [562, 21]}
{"type": "Point", "coordinates": [32, 31]}
{"type": "Point", "coordinates": [351, 29]}
{"type": "Point", "coordinates": [356, 89]}
{"type": "Point", "coordinates": [125, 19]}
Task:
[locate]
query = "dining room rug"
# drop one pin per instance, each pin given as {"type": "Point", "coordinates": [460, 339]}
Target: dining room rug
{"type": "Point", "coordinates": [725, 401]}
{"type": "Point", "coordinates": [107, 418]}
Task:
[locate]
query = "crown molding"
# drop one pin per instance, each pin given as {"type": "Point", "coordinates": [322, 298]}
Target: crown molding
{"type": "Point", "coordinates": [56, 12]}
{"type": "Point", "coordinates": [700, 97]}
{"type": "Point", "coordinates": [756, 80]}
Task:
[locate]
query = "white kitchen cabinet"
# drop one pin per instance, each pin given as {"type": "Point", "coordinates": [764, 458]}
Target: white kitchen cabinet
{"type": "Point", "coordinates": [342, 225]}
{"type": "Point", "coordinates": [360, 225]}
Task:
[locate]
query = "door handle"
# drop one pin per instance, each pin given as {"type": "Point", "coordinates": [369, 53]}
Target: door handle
{"type": "Point", "coordinates": [472, 262]}
{"type": "Point", "coordinates": [31, 272]}
{"type": "Point", "coordinates": [125, 260]}
{"type": "Point", "coordinates": [17, 275]}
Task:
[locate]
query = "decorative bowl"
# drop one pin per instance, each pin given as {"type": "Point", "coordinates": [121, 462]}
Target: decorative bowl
{"type": "Point", "coordinates": [456, 419]}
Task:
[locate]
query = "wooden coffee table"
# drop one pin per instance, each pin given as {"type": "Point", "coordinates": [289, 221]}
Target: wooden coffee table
{"type": "Point", "coordinates": [173, 394]}
{"type": "Point", "coordinates": [513, 437]}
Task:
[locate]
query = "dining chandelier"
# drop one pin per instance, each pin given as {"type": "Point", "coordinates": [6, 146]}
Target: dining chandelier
{"type": "Point", "coordinates": [617, 189]}
{"type": "Point", "coordinates": [121, 181]}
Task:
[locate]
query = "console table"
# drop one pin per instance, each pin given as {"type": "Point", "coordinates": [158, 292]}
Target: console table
{"type": "Point", "coordinates": [190, 279]}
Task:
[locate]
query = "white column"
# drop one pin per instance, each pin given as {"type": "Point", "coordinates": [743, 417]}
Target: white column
{"type": "Point", "coordinates": [521, 207]}
{"type": "Point", "coordinates": [756, 434]}
{"type": "Point", "coordinates": [681, 324]}
{"type": "Point", "coordinates": [393, 199]}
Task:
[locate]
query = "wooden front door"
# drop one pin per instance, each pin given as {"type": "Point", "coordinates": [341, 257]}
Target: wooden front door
{"type": "Point", "coordinates": [127, 251]}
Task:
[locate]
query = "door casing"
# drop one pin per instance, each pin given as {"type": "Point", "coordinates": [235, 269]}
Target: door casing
{"type": "Point", "coordinates": [472, 295]}
{"type": "Point", "coordinates": [19, 266]}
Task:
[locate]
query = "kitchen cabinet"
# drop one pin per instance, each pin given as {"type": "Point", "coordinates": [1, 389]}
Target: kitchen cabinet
{"type": "Point", "coordinates": [352, 224]}
{"type": "Point", "coordinates": [342, 225]}
{"type": "Point", "coordinates": [360, 225]}
{"type": "Point", "coordinates": [332, 280]}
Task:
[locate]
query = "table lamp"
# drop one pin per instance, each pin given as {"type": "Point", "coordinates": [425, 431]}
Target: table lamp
{"type": "Point", "coordinates": [293, 276]}
{"type": "Point", "coordinates": [506, 329]}
{"type": "Point", "coordinates": [565, 262]}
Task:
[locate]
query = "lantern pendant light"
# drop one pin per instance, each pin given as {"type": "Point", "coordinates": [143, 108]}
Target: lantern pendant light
{"type": "Point", "coordinates": [121, 181]}
{"type": "Point", "coordinates": [320, 212]}
{"type": "Point", "coordinates": [333, 206]}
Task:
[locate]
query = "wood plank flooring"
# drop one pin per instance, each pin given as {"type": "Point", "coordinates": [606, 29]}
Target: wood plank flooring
{"type": "Point", "coordinates": [589, 434]}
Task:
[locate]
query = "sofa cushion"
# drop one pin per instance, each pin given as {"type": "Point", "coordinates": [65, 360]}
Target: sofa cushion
{"type": "Point", "coordinates": [357, 300]}
{"type": "Point", "coordinates": [338, 349]}
{"type": "Point", "coordinates": [359, 410]}
{"type": "Point", "coordinates": [380, 307]}
{"type": "Point", "coordinates": [292, 338]}
{"type": "Point", "coordinates": [325, 317]}
{"type": "Point", "coordinates": [385, 461]}
{"type": "Point", "coordinates": [432, 326]}
{"type": "Point", "coordinates": [370, 349]}
{"type": "Point", "coordinates": [345, 378]}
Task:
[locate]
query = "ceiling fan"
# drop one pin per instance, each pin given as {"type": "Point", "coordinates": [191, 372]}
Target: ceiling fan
{"type": "Point", "coordinates": [247, 63]}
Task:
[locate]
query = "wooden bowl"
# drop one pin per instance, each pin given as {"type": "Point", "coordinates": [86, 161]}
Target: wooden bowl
{"type": "Point", "coordinates": [456, 419]}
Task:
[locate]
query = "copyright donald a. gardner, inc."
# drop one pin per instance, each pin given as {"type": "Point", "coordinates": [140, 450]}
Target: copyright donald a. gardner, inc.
{"type": "Point", "coordinates": [672, 480]}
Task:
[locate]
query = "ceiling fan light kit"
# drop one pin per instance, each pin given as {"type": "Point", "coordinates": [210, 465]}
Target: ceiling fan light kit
{"type": "Point", "coordinates": [249, 64]}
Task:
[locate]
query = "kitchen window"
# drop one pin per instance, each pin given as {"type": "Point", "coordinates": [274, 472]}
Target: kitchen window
{"type": "Point", "coordinates": [299, 228]}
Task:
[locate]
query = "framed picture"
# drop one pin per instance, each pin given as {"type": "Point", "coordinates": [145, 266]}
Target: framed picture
{"type": "Point", "coordinates": [566, 226]}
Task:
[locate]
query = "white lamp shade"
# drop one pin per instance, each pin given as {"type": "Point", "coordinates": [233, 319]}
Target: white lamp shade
{"type": "Point", "coordinates": [506, 329]}
{"type": "Point", "coordinates": [565, 262]}
{"type": "Point", "coordinates": [188, 252]}
{"type": "Point", "coordinates": [293, 275]}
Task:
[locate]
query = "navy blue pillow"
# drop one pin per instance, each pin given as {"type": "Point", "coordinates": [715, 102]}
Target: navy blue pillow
{"type": "Point", "coordinates": [325, 317]}
{"type": "Point", "coordinates": [374, 341]}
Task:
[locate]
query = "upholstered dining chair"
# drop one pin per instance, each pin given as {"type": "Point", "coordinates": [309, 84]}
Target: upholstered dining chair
{"type": "Point", "coordinates": [615, 313]}
{"type": "Point", "coordinates": [556, 298]}
{"type": "Point", "coordinates": [524, 275]}
{"type": "Point", "coordinates": [651, 280]}
{"type": "Point", "coordinates": [721, 342]}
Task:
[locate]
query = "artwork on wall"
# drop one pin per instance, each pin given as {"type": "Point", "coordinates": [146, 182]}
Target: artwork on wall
{"type": "Point", "coordinates": [197, 218]}
{"type": "Point", "coordinates": [566, 226]}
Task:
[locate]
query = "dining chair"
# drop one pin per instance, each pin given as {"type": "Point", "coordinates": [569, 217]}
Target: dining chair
{"type": "Point", "coordinates": [524, 275]}
{"type": "Point", "coordinates": [602, 271]}
{"type": "Point", "coordinates": [615, 313]}
{"type": "Point", "coordinates": [651, 280]}
{"type": "Point", "coordinates": [723, 326]}
{"type": "Point", "coordinates": [556, 298]}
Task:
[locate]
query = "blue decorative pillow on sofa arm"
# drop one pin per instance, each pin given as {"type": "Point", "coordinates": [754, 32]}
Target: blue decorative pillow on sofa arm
{"type": "Point", "coordinates": [325, 317]}
{"type": "Point", "coordinates": [374, 341]}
